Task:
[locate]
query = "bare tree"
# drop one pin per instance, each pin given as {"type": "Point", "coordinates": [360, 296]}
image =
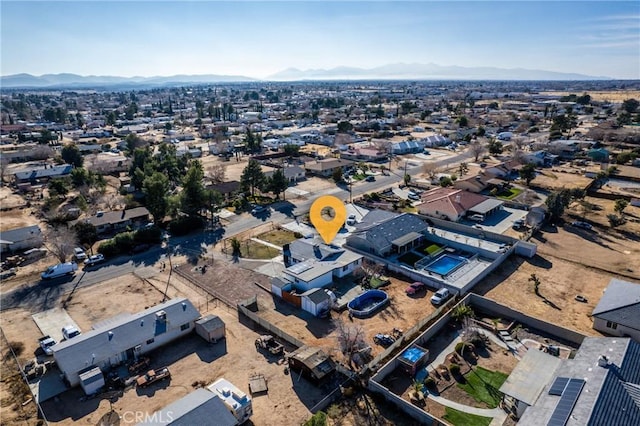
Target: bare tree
{"type": "Point", "coordinates": [217, 173]}
{"type": "Point", "coordinates": [351, 340]}
{"type": "Point", "coordinates": [431, 170]}
{"type": "Point", "coordinates": [477, 149]}
{"type": "Point", "coordinates": [60, 242]}
{"type": "Point", "coordinates": [42, 152]}
{"type": "Point", "coordinates": [342, 139]}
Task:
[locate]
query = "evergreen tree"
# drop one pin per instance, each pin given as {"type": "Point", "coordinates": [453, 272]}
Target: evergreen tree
{"type": "Point", "coordinates": [252, 177]}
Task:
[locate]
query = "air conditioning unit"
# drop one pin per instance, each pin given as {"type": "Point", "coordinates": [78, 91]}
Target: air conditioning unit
{"type": "Point", "coordinates": [161, 316]}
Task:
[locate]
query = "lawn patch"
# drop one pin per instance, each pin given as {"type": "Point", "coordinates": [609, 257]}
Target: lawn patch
{"type": "Point", "coordinates": [253, 250]}
{"type": "Point", "coordinates": [459, 418]}
{"type": "Point", "coordinates": [483, 385]}
{"type": "Point", "coordinates": [278, 237]}
{"type": "Point", "coordinates": [509, 194]}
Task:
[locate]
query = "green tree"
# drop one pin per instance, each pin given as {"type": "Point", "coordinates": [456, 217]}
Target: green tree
{"type": "Point", "coordinates": [344, 127]}
{"type": "Point", "coordinates": [235, 247]}
{"type": "Point", "coordinates": [155, 189]}
{"type": "Point", "coordinates": [193, 196]}
{"type": "Point", "coordinates": [79, 177]}
{"type": "Point", "coordinates": [252, 177]}
{"type": "Point", "coordinates": [133, 142]}
{"type": "Point", "coordinates": [445, 181]}
{"type": "Point", "coordinates": [463, 169]}
{"type": "Point", "coordinates": [495, 147]}
{"type": "Point", "coordinates": [86, 233]}
{"type": "Point", "coordinates": [278, 183]}
{"type": "Point", "coordinates": [630, 105]}
{"type": "Point", "coordinates": [407, 179]}
{"type": "Point", "coordinates": [252, 142]}
{"type": "Point", "coordinates": [58, 187]}
{"type": "Point", "coordinates": [292, 150]}
{"type": "Point", "coordinates": [528, 173]}
{"type": "Point", "coordinates": [71, 155]}
{"type": "Point", "coordinates": [463, 121]}
{"type": "Point", "coordinates": [620, 205]}
{"type": "Point", "coordinates": [557, 202]}
{"type": "Point", "coordinates": [336, 175]}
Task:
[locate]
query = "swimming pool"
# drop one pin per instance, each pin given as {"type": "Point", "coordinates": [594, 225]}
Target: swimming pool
{"type": "Point", "coordinates": [367, 303]}
{"type": "Point", "coordinates": [445, 264]}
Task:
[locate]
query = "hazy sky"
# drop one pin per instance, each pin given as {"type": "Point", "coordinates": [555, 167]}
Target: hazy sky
{"type": "Point", "coordinates": [257, 39]}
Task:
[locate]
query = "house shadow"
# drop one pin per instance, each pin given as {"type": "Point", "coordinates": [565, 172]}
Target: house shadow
{"type": "Point", "coordinates": [71, 404]}
{"type": "Point", "coordinates": [284, 207]}
{"type": "Point", "coordinates": [210, 352]}
{"type": "Point", "coordinates": [310, 393]}
{"type": "Point", "coordinates": [500, 274]}
{"type": "Point", "coordinates": [540, 262]}
{"type": "Point", "coordinates": [496, 218]}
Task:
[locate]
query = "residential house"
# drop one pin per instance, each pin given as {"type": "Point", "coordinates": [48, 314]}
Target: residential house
{"type": "Point", "coordinates": [382, 233]}
{"type": "Point", "coordinates": [116, 221]}
{"type": "Point", "coordinates": [599, 386]}
{"type": "Point", "coordinates": [124, 338]}
{"type": "Point", "coordinates": [599, 155]}
{"type": "Point", "coordinates": [453, 204]}
{"type": "Point", "coordinates": [476, 184]}
{"type": "Point", "coordinates": [311, 264]}
{"type": "Point", "coordinates": [20, 239]}
{"type": "Point", "coordinates": [200, 407]}
{"type": "Point", "coordinates": [406, 147]}
{"type": "Point", "coordinates": [436, 140]}
{"type": "Point", "coordinates": [370, 154]}
{"type": "Point", "coordinates": [228, 190]}
{"type": "Point", "coordinates": [326, 167]}
{"type": "Point", "coordinates": [292, 173]}
{"type": "Point", "coordinates": [539, 158]}
{"type": "Point", "coordinates": [36, 175]}
{"type": "Point", "coordinates": [618, 311]}
{"type": "Point", "coordinates": [237, 402]}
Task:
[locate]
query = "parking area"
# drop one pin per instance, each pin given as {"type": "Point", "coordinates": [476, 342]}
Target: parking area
{"type": "Point", "coordinates": [500, 221]}
{"type": "Point", "coordinates": [51, 322]}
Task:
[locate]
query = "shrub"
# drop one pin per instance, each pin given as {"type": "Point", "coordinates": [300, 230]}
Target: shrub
{"type": "Point", "coordinates": [17, 347]}
{"type": "Point", "coordinates": [460, 347]}
{"type": "Point", "coordinates": [297, 234]}
{"type": "Point", "coordinates": [454, 369]}
{"type": "Point", "coordinates": [152, 235]}
{"type": "Point", "coordinates": [430, 383]}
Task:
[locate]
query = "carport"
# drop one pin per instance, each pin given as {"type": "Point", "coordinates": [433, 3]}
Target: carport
{"type": "Point", "coordinates": [486, 208]}
{"type": "Point", "coordinates": [51, 322]}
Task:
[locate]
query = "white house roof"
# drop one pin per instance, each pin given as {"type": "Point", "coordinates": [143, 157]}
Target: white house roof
{"type": "Point", "coordinates": [116, 337]}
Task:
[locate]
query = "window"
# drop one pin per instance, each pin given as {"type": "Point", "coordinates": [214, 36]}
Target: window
{"type": "Point", "coordinates": [184, 327]}
{"type": "Point", "coordinates": [344, 268]}
{"type": "Point", "coordinates": [150, 341]}
{"type": "Point", "coordinates": [612, 325]}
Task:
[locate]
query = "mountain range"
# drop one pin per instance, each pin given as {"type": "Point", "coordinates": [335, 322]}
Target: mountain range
{"type": "Point", "coordinates": [398, 71]}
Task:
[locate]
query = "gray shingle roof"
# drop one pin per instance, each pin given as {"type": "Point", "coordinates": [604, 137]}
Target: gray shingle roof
{"type": "Point", "coordinates": [382, 234]}
{"type": "Point", "coordinates": [20, 234]}
{"type": "Point", "coordinates": [200, 407]}
{"type": "Point", "coordinates": [118, 216]}
{"type": "Point", "coordinates": [620, 303]}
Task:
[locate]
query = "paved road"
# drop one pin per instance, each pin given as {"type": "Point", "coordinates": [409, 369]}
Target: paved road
{"type": "Point", "coordinates": [43, 295]}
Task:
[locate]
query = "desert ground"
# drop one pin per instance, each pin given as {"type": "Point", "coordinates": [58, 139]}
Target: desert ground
{"type": "Point", "coordinates": [609, 95]}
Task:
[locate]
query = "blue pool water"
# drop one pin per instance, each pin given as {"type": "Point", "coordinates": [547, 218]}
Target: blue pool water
{"type": "Point", "coordinates": [445, 264]}
{"type": "Point", "coordinates": [412, 355]}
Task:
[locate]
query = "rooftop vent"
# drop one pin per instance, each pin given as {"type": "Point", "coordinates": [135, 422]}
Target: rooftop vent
{"type": "Point", "coordinates": [110, 334]}
{"type": "Point", "coordinates": [603, 361]}
{"type": "Point", "coordinates": [184, 306]}
{"type": "Point", "coordinates": [458, 199]}
{"type": "Point", "coordinates": [161, 316]}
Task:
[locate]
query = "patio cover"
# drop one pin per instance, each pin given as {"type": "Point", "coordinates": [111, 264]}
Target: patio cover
{"type": "Point", "coordinates": [406, 239]}
{"type": "Point", "coordinates": [527, 380]}
{"type": "Point", "coordinates": [486, 206]}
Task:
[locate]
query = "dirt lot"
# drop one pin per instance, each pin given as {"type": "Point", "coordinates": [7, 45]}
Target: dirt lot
{"type": "Point", "coordinates": [403, 312]}
{"type": "Point", "coordinates": [190, 361]}
{"type": "Point", "coordinates": [608, 95]}
{"type": "Point", "coordinates": [561, 177]}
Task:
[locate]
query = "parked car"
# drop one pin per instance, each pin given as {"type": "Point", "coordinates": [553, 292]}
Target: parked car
{"type": "Point", "coordinates": [370, 179]}
{"type": "Point", "coordinates": [259, 210]}
{"type": "Point", "coordinates": [518, 224]}
{"type": "Point", "coordinates": [70, 332]}
{"type": "Point", "coordinates": [59, 270]}
{"type": "Point", "coordinates": [440, 296]}
{"type": "Point", "coordinates": [477, 217]}
{"type": "Point", "coordinates": [383, 340]}
{"type": "Point", "coordinates": [79, 254]}
{"type": "Point", "coordinates": [583, 225]}
{"type": "Point", "coordinates": [351, 220]}
{"type": "Point", "coordinates": [415, 288]}
{"type": "Point", "coordinates": [95, 259]}
{"type": "Point", "coordinates": [46, 343]}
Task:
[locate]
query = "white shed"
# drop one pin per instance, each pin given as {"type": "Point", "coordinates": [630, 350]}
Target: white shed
{"type": "Point", "coordinates": [211, 328]}
{"type": "Point", "coordinates": [91, 380]}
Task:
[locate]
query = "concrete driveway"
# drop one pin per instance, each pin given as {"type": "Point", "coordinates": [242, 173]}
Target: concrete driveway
{"type": "Point", "coordinates": [51, 322]}
{"type": "Point", "coordinates": [499, 222]}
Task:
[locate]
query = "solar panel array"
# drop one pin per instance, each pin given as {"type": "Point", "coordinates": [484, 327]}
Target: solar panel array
{"type": "Point", "coordinates": [558, 386]}
{"type": "Point", "coordinates": [567, 401]}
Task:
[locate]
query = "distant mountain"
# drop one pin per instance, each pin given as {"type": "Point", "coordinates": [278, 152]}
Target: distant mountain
{"type": "Point", "coordinates": [92, 81]}
{"type": "Point", "coordinates": [430, 71]}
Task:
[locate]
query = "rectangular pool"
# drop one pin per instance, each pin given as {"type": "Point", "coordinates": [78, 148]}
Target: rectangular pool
{"type": "Point", "coordinates": [445, 264]}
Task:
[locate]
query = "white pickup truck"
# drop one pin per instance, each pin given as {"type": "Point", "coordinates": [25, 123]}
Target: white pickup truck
{"type": "Point", "coordinates": [59, 270]}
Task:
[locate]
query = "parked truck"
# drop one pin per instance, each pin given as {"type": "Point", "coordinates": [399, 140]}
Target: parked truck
{"type": "Point", "coordinates": [269, 343]}
{"type": "Point", "coordinates": [153, 376]}
{"type": "Point", "coordinates": [59, 270]}
{"type": "Point", "coordinates": [46, 343]}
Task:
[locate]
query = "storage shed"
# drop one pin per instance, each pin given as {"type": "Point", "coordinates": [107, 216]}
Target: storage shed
{"type": "Point", "coordinates": [211, 328]}
{"type": "Point", "coordinates": [91, 380]}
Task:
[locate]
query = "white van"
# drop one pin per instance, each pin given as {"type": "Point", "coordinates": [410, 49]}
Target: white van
{"type": "Point", "coordinates": [59, 270]}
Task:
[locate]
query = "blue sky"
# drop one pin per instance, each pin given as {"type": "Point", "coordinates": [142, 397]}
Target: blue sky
{"type": "Point", "coordinates": [257, 39]}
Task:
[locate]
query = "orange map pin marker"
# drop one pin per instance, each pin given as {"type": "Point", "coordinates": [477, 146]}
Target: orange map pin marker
{"type": "Point", "coordinates": [328, 227]}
